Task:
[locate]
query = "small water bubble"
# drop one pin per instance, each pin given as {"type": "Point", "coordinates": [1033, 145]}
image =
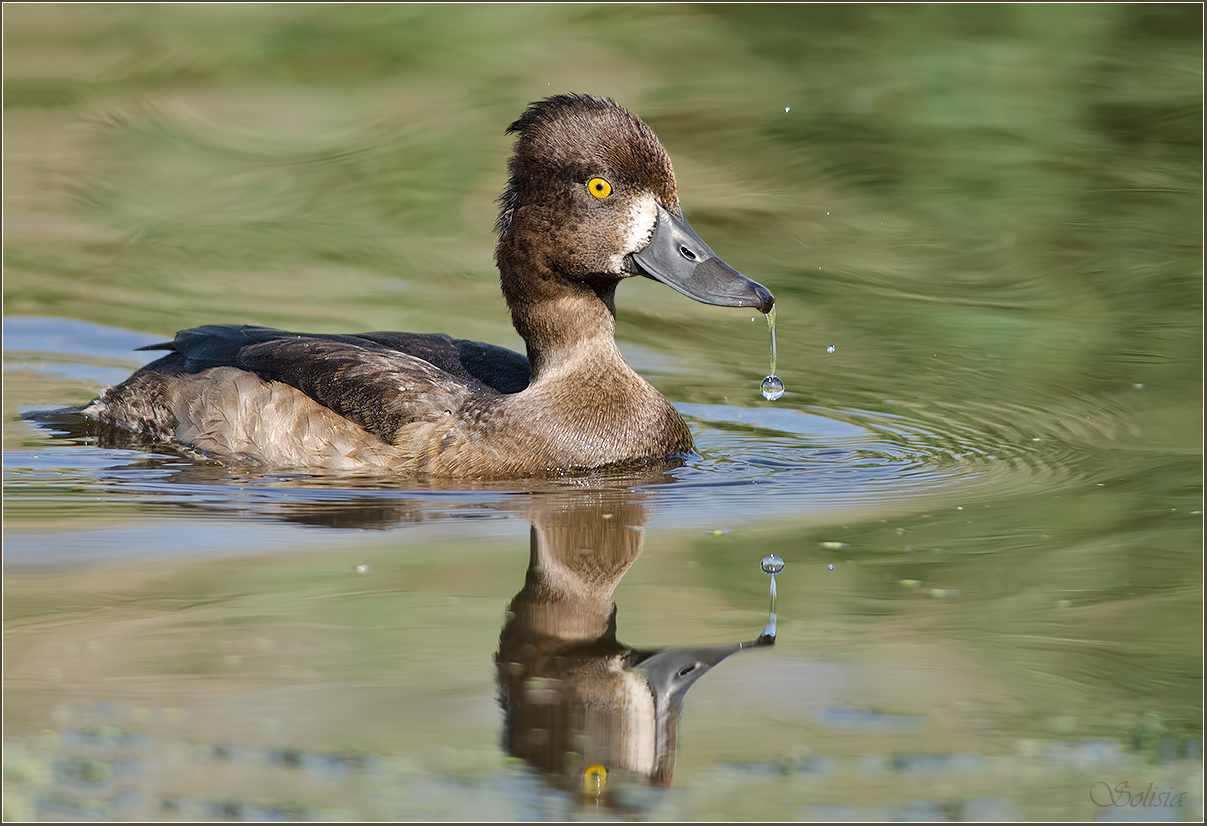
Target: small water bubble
{"type": "Point", "coordinates": [830, 567]}
{"type": "Point", "coordinates": [772, 564]}
{"type": "Point", "coordinates": [772, 388]}
{"type": "Point", "coordinates": [829, 348]}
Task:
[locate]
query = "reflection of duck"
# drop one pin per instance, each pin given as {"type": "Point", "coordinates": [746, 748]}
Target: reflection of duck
{"type": "Point", "coordinates": [580, 705]}
{"type": "Point", "coordinates": [591, 200]}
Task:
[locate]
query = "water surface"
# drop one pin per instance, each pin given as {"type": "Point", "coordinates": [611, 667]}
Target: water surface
{"type": "Point", "coordinates": [992, 215]}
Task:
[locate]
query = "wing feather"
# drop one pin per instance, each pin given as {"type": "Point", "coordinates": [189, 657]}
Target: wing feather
{"type": "Point", "coordinates": [381, 390]}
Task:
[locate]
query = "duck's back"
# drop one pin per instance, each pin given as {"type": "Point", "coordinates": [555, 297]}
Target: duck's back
{"type": "Point", "coordinates": [306, 400]}
{"type": "Point", "coordinates": [223, 345]}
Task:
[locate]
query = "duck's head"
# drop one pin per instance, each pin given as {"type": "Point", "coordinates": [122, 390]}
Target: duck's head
{"type": "Point", "coordinates": [591, 198]}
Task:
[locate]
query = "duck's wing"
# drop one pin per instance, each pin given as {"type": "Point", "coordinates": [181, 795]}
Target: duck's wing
{"type": "Point", "coordinates": [500, 369]}
{"type": "Point", "coordinates": [377, 387]}
{"type": "Point", "coordinates": [497, 367]}
{"type": "Point", "coordinates": [381, 390]}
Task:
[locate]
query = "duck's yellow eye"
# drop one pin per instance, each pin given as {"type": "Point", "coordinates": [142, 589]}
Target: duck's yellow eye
{"type": "Point", "coordinates": [599, 187]}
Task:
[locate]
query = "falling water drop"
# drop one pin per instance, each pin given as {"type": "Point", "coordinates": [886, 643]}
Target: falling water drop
{"type": "Point", "coordinates": [829, 348]}
{"type": "Point", "coordinates": [830, 567]}
{"type": "Point", "coordinates": [772, 387]}
{"type": "Point", "coordinates": [771, 330]}
{"type": "Point", "coordinates": [772, 564]}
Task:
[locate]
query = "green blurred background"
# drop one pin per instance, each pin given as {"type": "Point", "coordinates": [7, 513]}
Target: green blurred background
{"type": "Point", "coordinates": [1023, 182]}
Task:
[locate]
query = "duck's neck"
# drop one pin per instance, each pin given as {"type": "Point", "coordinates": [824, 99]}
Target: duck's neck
{"type": "Point", "coordinates": [568, 325]}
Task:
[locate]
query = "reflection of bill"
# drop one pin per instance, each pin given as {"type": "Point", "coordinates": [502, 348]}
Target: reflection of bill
{"type": "Point", "coordinates": [1120, 796]}
{"type": "Point", "coordinates": [581, 707]}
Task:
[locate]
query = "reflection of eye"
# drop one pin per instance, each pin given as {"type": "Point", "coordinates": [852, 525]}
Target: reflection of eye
{"type": "Point", "coordinates": [599, 187]}
{"type": "Point", "coordinates": [594, 779]}
{"type": "Point", "coordinates": [687, 671]}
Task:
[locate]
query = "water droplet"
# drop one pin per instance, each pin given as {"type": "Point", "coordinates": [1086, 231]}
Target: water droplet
{"type": "Point", "coordinates": [829, 348]}
{"type": "Point", "coordinates": [772, 564]}
{"type": "Point", "coordinates": [787, 108]}
{"type": "Point", "coordinates": [362, 569]}
{"type": "Point", "coordinates": [772, 388]}
{"type": "Point", "coordinates": [1138, 386]}
{"type": "Point", "coordinates": [830, 567]}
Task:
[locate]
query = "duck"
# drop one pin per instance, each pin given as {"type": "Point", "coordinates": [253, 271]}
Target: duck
{"type": "Point", "coordinates": [590, 200]}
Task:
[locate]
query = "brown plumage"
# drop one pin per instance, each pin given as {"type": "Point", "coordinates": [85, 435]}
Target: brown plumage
{"type": "Point", "coordinates": [430, 404]}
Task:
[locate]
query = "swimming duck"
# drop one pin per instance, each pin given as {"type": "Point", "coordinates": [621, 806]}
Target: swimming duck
{"type": "Point", "coordinates": [590, 201]}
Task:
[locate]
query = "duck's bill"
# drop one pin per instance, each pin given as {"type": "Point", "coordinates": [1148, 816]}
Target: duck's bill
{"type": "Point", "coordinates": [671, 671]}
{"type": "Point", "coordinates": [678, 258]}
